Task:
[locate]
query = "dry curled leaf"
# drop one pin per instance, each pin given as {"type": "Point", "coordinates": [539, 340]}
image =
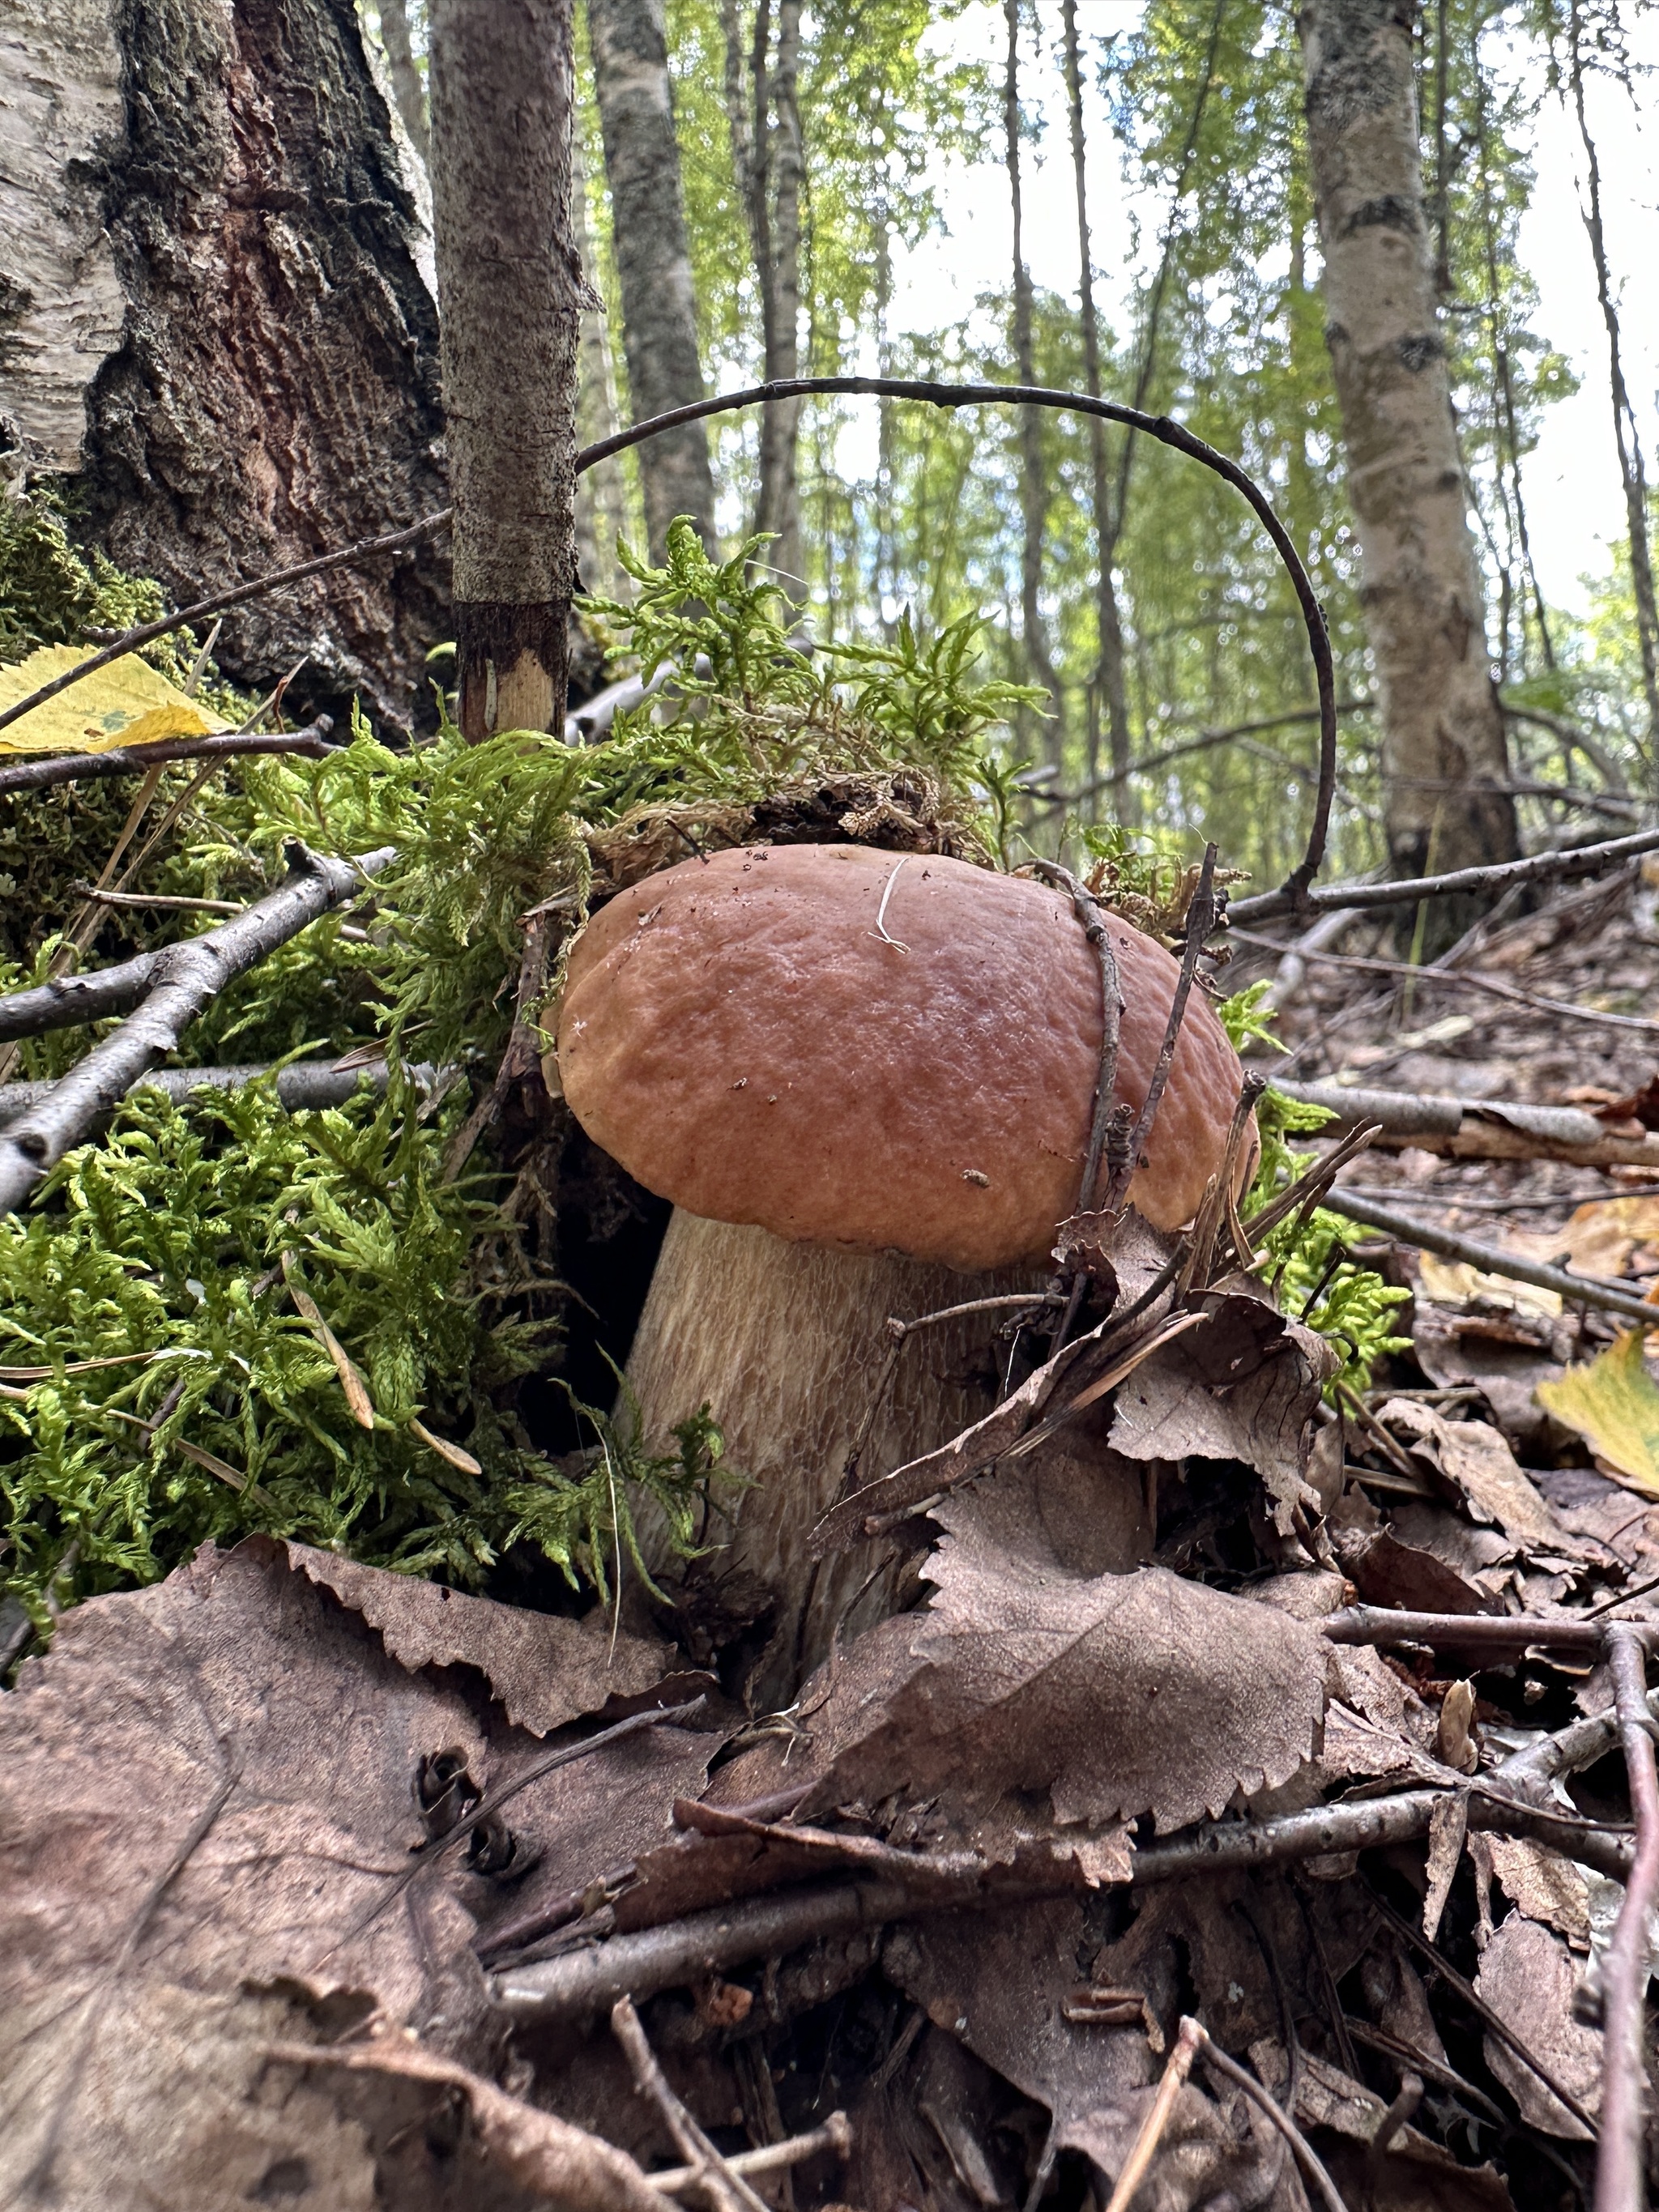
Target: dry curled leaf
{"type": "Point", "coordinates": [1246, 1386]}
{"type": "Point", "coordinates": [1473, 1461]}
{"type": "Point", "coordinates": [543, 1668]}
{"type": "Point", "coordinates": [1117, 1693]}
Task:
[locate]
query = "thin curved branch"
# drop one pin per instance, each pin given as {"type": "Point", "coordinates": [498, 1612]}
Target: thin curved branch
{"type": "Point", "coordinates": [146, 633]}
{"type": "Point", "coordinates": [49, 768]}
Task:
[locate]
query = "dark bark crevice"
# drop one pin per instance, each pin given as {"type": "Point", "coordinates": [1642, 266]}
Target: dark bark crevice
{"type": "Point", "coordinates": [275, 388]}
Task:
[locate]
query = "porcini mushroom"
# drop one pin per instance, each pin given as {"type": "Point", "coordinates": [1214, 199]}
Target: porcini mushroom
{"type": "Point", "coordinates": [866, 1081]}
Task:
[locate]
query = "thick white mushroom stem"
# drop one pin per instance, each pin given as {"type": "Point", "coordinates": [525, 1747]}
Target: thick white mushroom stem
{"type": "Point", "coordinates": [787, 1343]}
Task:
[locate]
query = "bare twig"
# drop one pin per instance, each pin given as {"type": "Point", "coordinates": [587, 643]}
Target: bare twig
{"type": "Point", "coordinates": [1577, 1290]}
{"type": "Point", "coordinates": [1159, 427]}
{"type": "Point", "coordinates": [1477, 2004]}
{"type": "Point", "coordinates": [1144, 2149]}
{"type": "Point", "coordinates": [300, 1088]}
{"type": "Point", "coordinates": [1092, 917]}
{"type": "Point", "coordinates": [1490, 1129]}
{"type": "Point", "coordinates": [1306, 2156]}
{"type": "Point", "coordinates": [1541, 867]}
{"type": "Point", "coordinates": [1461, 978]}
{"type": "Point", "coordinates": [1200, 923]}
{"type": "Point", "coordinates": [165, 901]}
{"type": "Point", "coordinates": [724, 2188]}
{"type": "Point", "coordinates": [1205, 742]}
{"type": "Point", "coordinates": [50, 768]}
{"type": "Point", "coordinates": [181, 980]}
{"type": "Point", "coordinates": [579, 1984]}
{"type": "Point", "coordinates": [1471, 1631]}
{"type": "Point", "coordinates": [1619, 2185]}
{"type": "Point", "coordinates": [836, 2135]}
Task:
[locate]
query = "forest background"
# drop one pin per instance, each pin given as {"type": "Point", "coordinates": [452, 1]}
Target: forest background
{"type": "Point", "coordinates": [888, 127]}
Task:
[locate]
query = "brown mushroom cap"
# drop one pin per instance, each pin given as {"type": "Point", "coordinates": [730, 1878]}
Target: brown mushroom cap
{"type": "Point", "coordinates": [739, 1034]}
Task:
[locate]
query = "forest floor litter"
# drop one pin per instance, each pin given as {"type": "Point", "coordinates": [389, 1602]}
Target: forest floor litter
{"type": "Point", "coordinates": [1241, 1692]}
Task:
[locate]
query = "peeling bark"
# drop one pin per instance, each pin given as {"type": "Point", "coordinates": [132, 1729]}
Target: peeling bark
{"type": "Point", "coordinates": [509, 277]}
{"type": "Point", "coordinates": [1444, 752]}
{"type": "Point", "coordinates": [653, 259]}
{"type": "Point", "coordinates": [217, 316]}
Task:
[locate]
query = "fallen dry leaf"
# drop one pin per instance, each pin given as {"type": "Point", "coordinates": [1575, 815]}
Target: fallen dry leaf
{"type": "Point", "coordinates": [1538, 1882]}
{"type": "Point", "coordinates": [1473, 1459]}
{"type": "Point", "coordinates": [127, 703]}
{"type": "Point", "coordinates": [543, 1669]}
{"type": "Point", "coordinates": [1415, 2175]}
{"type": "Point", "coordinates": [1117, 1693]}
{"type": "Point", "coordinates": [1597, 1239]}
{"type": "Point", "coordinates": [1612, 1402]}
{"type": "Point", "coordinates": [1456, 1283]}
{"type": "Point", "coordinates": [1245, 1387]}
{"type": "Point", "coordinates": [170, 2113]}
{"type": "Point", "coordinates": [552, 2162]}
{"type": "Point", "coordinates": [1529, 1977]}
{"type": "Point", "coordinates": [210, 1783]}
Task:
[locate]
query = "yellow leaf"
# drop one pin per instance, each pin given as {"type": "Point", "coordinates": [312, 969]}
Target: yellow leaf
{"type": "Point", "coordinates": [1598, 1239]}
{"type": "Point", "coordinates": [128, 704]}
{"type": "Point", "coordinates": [1612, 1402]}
{"type": "Point", "coordinates": [1454, 1282]}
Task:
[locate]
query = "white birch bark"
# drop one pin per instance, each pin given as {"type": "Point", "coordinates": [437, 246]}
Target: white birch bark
{"type": "Point", "coordinates": [1444, 761]}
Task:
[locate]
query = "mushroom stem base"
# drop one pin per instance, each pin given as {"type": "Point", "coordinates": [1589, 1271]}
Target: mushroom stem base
{"type": "Point", "coordinates": [787, 1344]}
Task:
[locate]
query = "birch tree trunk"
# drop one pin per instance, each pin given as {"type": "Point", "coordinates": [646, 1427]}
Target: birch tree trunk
{"type": "Point", "coordinates": [780, 489]}
{"type": "Point", "coordinates": [511, 288]}
{"type": "Point", "coordinates": [1444, 762]}
{"type": "Point", "coordinates": [601, 504]}
{"type": "Point", "coordinates": [218, 319]}
{"type": "Point", "coordinates": [1033, 489]}
{"type": "Point", "coordinates": [653, 260]}
{"type": "Point", "coordinates": [767, 157]}
{"type": "Point", "coordinates": [1109, 688]}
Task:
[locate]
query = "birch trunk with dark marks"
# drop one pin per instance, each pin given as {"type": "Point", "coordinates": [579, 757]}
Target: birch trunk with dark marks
{"type": "Point", "coordinates": [1033, 488]}
{"type": "Point", "coordinates": [762, 112]}
{"type": "Point", "coordinates": [1109, 688]}
{"type": "Point", "coordinates": [1444, 754]}
{"type": "Point", "coordinates": [510, 285]}
{"type": "Point", "coordinates": [659, 315]}
{"type": "Point", "coordinates": [217, 319]}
